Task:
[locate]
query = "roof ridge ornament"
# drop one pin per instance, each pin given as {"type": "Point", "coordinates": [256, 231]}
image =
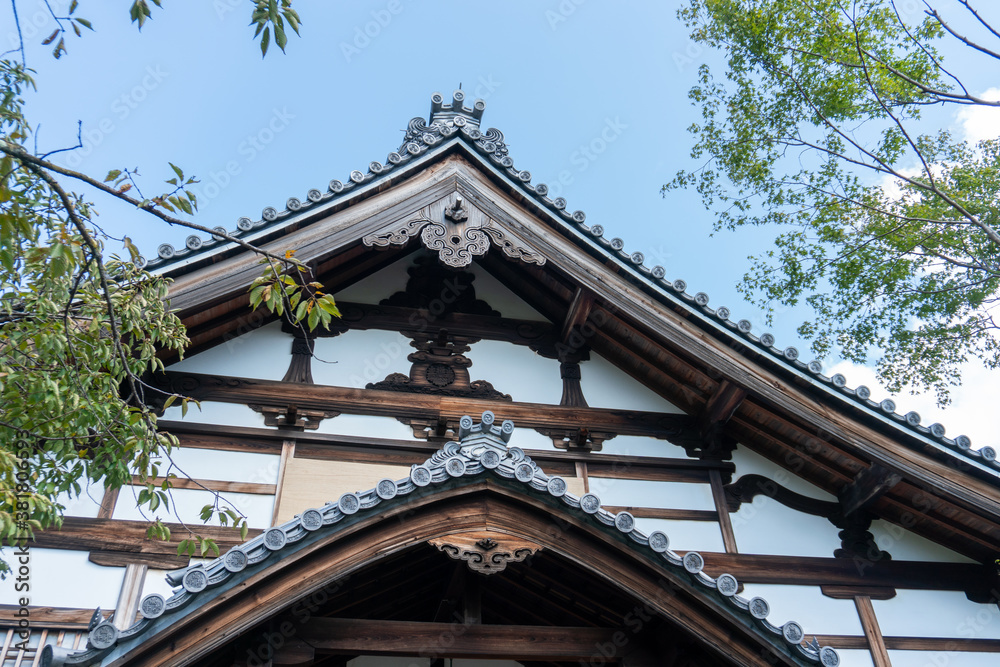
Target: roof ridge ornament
{"type": "Point", "coordinates": [456, 113]}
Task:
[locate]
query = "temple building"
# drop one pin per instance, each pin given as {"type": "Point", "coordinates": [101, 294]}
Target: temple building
{"type": "Point", "coordinates": [519, 445]}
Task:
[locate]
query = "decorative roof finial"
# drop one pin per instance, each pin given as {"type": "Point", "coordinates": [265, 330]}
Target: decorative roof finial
{"type": "Point", "coordinates": [449, 114]}
{"type": "Point", "coordinates": [476, 438]}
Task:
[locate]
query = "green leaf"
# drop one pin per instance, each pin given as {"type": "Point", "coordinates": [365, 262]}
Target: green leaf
{"type": "Point", "coordinates": [264, 41]}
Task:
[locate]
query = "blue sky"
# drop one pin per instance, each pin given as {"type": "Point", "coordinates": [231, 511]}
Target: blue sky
{"type": "Point", "coordinates": [587, 93]}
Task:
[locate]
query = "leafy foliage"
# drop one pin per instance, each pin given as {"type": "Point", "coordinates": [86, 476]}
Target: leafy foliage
{"type": "Point", "coordinates": [81, 329]}
{"type": "Point", "coordinates": [271, 15]}
{"type": "Point", "coordinates": [890, 230]}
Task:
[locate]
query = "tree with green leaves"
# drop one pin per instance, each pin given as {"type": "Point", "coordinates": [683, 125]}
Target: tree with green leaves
{"type": "Point", "coordinates": [81, 326]}
{"type": "Point", "coordinates": [824, 127]}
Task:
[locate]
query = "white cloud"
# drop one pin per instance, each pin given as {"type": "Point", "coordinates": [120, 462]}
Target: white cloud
{"type": "Point", "coordinates": [978, 122]}
{"type": "Point", "coordinates": [972, 411]}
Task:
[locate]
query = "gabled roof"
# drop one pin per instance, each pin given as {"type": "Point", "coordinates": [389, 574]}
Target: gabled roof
{"type": "Point", "coordinates": [481, 452]}
{"type": "Point", "coordinates": [455, 127]}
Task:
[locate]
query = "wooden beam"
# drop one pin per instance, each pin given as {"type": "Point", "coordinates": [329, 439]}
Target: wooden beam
{"type": "Point", "coordinates": [811, 571]}
{"type": "Point", "coordinates": [868, 486]}
{"type": "Point", "coordinates": [157, 561]}
{"type": "Point", "coordinates": [665, 513]}
{"type": "Point", "coordinates": [293, 653]}
{"type": "Point", "coordinates": [50, 617]}
{"type": "Point", "coordinates": [213, 484]}
{"type": "Point", "coordinates": [330, 447]}
{"type": "Point", "coordinates": [422, 406]}
{"type": "Point", "coordinates": [937, 644]}
{"type": "Point", "coordinates": [84, 534]}
{"type": "Point", "coordinates": [513, 642]}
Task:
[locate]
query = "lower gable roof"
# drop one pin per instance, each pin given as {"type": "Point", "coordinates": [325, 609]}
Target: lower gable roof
{"type": "Point", "coordinates": [480, 460]}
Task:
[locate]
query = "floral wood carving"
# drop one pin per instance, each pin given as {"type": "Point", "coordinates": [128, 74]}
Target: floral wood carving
{"type": "Point", "coordinates": [455, 230]}
{"type": "Point", "coordinates": [439, 367]}
{"type": "Point", "coordinates": [486, 553]}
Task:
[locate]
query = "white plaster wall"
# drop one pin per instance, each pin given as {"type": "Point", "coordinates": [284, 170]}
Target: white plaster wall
{"type": "Point", "coordinates": [768, 527]}
{"type": "Point", "coordinates": [686, 535]}
{"type": "Point", "coordinates": [905, 545]}
{"type": "Point", "coordinates": [367, 426]}
{"type": "Point", "coordinates": [942, 659]}
{"type": "Point", "coordinates": [355, 358]}
{"type": "Point", "coordinates": [606, 386]}
{"type": "Point", "coordinates": [516, 370]}
{"type": "Point", "coordinates": [758, 526]}
{"type": "Point", "coordinates": [646, 493]}
{"type": "Point", "coordinates": [156, 582]}
{"type": "Point", "coordinates": [63, 578]}
{"type": "Point", "coordinates": [224, 465]}
{"type": "Point", "coordinates": [502, 299]}
{"type": "Point", "coordinates": [806, 605]}
{"type": "Point", "coordinates": [635, 445]}
{"type": "Point", "coordinates": [392, 279]}
{"type": "Point", "coordinates": [528, 438]}
{"type": "Point", "coordinates": [750, 462]}
{"type": "Point", "coordinates": [87, 504]}
{"type": "Point", "coordinates": [380, 285]}
{"type": "Point", "coordinates": [219, 414]}
{"type": "Point", "coordinates": [855, 658]}
{"type": "Point", "coordinates": [914, 613]}
{"type": "Point", "coordinates": [187, 504]}
{"type": "Point", "coordinates": [262, 354]}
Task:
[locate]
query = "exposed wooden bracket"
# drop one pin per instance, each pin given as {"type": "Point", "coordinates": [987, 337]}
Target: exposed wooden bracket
{"type": "Point", "coordinates": [850, 592]}
{"type": "Point", "coordinates": [577, 440]}
{"type": "Point", "coordinates": [579, 311]}
{"type": "Point", "coordinates": [748, 487]}
{"type": "Point", "coordinates": [721, 406]}
{"type": "Point", "coordinates": [868, 486]}
{"type": "Point", "coordinates": [291, 417]}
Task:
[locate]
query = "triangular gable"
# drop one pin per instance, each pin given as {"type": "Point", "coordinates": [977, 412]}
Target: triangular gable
{"type": "Point", "coordinates": [453, 189]}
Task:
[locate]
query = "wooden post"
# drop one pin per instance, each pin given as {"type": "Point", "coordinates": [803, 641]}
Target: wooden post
{"type": "Point", "coordinates": [876, 643]}
{"type": "Point", "coordinates": [128, 597]}
{"type": "Point", "coordinates": [287, 453]}
{"type": "Point", "coordinates": [719, 495]}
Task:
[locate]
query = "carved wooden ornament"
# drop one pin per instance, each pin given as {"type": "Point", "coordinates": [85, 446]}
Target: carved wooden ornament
{"type": "Point", "coordinates": [457, 232]}
{"type": "Point", "coordinates": [485, 552]}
